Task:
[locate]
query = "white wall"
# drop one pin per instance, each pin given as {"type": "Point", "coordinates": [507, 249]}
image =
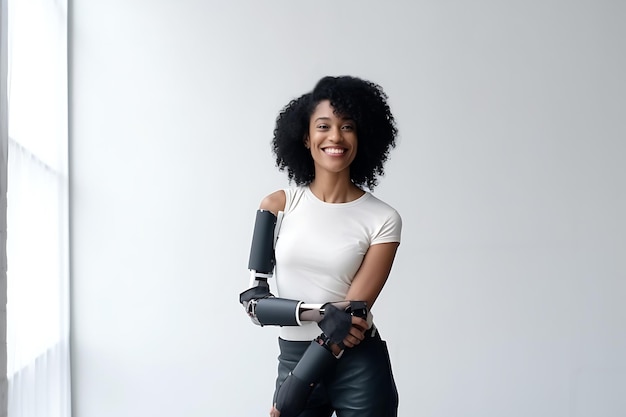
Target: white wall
{"type": "Point", "coordinates": [507, 296]}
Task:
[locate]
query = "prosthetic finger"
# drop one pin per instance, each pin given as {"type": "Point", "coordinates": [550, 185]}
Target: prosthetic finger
{"type": "Point", "coordinates": [294, 392]}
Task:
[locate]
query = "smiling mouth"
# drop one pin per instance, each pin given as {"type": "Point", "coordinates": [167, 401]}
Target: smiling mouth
{"type": "Point", "coordinates": [334, 151]}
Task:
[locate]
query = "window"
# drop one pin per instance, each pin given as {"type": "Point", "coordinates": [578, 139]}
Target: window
{"type": "Point", "coordinates": [38, 367]}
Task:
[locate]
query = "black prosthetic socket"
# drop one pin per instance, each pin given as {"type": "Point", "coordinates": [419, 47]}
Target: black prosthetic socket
{"type": "Point", "coordinates": [277, 311]}
{"type": "Point", "coordinates": [294, 392]}
{"type": "Point", "coordinates": [262, 248]}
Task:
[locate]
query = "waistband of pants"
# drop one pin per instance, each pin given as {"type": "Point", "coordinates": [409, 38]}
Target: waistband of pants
{"type": "Point", "coordinates": [372, 332]}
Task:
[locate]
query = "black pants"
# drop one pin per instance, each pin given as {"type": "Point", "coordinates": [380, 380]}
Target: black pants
{"type": "Point", "coordinates": [361, 385]}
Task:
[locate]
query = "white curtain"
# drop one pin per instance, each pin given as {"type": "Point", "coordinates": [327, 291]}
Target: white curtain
{"type": "Point", "coordinates": [38, 366]}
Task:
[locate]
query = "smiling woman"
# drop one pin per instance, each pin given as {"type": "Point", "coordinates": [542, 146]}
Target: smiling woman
{"type": "Point", "coordinates": [362, 103]}
{"type": "Point", "coordinates": [332, 140]}
{"type": "Point", "coordinates": [335, 244]}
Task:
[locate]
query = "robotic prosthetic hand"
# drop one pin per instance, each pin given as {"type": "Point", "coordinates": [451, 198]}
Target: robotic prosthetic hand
{"type": "Point", "coordinates": [335, 319]}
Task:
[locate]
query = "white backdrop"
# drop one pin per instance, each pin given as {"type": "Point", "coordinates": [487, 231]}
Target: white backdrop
{"type": "Point", "coordinates": [507, 296]}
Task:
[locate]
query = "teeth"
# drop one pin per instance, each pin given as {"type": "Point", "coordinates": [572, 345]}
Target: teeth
{"type": "Point", "coordinates": [334, 150]}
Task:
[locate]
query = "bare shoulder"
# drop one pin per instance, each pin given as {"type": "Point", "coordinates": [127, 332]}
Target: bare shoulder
{"type": "Point", "coordinates": [274, 202]}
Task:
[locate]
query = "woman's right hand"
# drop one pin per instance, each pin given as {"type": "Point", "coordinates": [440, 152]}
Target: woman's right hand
{"type": "Point", "coordinates": [357, 332]}
{"type": "Point", "coordinates": [356, 335]}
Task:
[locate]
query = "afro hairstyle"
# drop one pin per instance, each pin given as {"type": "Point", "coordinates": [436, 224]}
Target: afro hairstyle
{"type": "Point", "coordinates": [362, 101]}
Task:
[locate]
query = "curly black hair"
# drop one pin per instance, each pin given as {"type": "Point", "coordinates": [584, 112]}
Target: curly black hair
{"type": "Point", "coordinates": [364, 102]}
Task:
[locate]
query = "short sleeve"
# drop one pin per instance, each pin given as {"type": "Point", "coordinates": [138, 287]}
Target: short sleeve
{"type": "Point", "coordinates": [390, 230]}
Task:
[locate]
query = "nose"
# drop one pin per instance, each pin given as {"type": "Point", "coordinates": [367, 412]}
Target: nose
{"type": "Point", "coordinates": [335, 134]}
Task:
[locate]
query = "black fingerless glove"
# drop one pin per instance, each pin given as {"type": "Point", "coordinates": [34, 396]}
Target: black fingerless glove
{"type": "Point", "coordinates": [336, 323]}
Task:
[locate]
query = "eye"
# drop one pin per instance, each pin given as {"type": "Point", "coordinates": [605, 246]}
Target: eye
{"type": "Point", "coordinates": [322, 126]}
{"type": "Point", "coordinates": [348, 127]}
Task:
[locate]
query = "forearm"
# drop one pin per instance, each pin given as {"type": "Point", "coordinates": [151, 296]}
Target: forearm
{"type": "Point", "coordinates": [265, 309]}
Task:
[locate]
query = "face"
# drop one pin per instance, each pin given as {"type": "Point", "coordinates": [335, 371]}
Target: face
{"type": "Point", "coordinates": [332, 140]}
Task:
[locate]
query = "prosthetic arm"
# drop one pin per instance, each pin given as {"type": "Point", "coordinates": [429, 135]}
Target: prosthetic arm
{"type": "Point", "coordinates": [260, 304]}
{"type": "Point", "coordinates": [265, 309]}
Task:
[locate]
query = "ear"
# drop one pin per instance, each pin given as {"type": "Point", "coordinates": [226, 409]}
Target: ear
{"type": "Point", "coordinates": [307, 143]}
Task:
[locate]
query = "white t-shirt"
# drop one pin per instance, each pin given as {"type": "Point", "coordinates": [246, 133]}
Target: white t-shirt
{"type": "Point", "coordinates": [320, 247]}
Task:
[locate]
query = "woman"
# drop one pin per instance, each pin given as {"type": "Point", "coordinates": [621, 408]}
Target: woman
{"type": "Point", "coordinates": [336, 241]}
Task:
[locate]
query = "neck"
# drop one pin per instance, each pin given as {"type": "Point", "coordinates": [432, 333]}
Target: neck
{"type": "Point", "coordinates": [335, 190]}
